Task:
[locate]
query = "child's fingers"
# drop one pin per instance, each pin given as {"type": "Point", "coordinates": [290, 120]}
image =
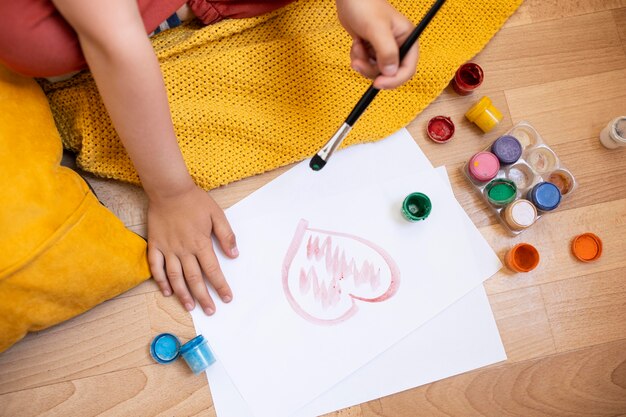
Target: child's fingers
{"type": "Point", "coordinates": [224, 234]}
{"type": "Point", "coordinates": [195, 283]}
{"type": "Point", "coordinates": [177, 281]}
{"type": "Point", "coordinates": [387, 51]}
{"type": "Point", "coordinates": [156, 262]}
{"type": "Point", "coordinates": [211, 267]}
{"type": "Point", "coordinates": [361, 58]}
{"type": "Point", "coordinates": [405, 72]}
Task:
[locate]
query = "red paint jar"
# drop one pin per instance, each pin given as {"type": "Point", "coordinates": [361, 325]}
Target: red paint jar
{"type": "Point", "coordinates": [467, 78]}
{"type": "Point", "coordinates": [440, 129]}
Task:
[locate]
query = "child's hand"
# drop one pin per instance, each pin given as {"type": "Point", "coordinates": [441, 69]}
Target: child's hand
{"type": "Point", "coordinates": [378, 30]}
{"type": "Point", "coordinates": [180, 248]}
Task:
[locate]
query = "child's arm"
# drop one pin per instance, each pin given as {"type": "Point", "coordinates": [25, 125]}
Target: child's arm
{"type": "Point", "coordinates": [181, 216]}
{"type": "Point", "coordinates": [378, 30]}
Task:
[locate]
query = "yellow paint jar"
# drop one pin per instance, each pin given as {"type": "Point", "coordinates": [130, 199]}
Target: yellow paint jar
{"type": "Point", "coordinates": [484, 114]}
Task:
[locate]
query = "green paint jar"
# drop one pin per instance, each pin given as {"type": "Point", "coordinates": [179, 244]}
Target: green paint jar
{"type": "Point", "coordinates": [501, 192]}
{"type": "Point", "coordinates": [416, 207]}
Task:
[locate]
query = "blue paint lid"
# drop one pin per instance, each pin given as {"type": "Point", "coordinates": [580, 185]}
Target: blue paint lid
{"type": "Point", "coordinates": [508, 149]}
{"type": "Point", "coordinates": [545, 196]}
{"type": "Point", "coordinates": [165, 348]}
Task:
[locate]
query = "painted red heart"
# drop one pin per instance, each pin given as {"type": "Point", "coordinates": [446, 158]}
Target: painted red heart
{"type": "Point", "coordinates": [325, 273]}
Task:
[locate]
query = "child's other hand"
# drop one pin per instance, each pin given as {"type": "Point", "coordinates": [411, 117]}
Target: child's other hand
{"type": "Point", "coordinates": [378, 30]}
{"type": "Point", "coordinates": [180, 249]}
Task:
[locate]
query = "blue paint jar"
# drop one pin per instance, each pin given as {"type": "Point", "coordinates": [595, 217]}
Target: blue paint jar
{"type": "Point", "coordinates": [165, 348]}
{"type": "Point", "coordinates": [545, 196]}
{"type": "Point", "coordinates": [197, 354]}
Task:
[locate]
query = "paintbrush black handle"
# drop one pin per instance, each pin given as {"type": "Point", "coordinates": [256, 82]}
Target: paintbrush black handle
{"type": "Point", "coordinates": [410, 41]}
{"type": "Point", "coordinates": [371, 92]}
{"type": "Point", "coordinates": [362, 104]}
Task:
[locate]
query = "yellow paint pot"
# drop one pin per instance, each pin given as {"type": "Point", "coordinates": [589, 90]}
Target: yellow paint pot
{"type": "Point", "coordinates": [484, 114]}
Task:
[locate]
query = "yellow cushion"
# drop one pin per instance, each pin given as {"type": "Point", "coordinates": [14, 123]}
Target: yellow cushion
{"type": "Point", "coordinates": [251, 95]}
{"type": "Point", "coordinates": [61, 251]}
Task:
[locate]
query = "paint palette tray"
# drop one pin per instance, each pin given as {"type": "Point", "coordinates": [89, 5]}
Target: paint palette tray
{"type": "Point", "coordinates": [520, 177]}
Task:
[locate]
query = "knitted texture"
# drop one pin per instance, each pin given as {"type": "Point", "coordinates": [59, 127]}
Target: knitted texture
{"type": "Point", "coordinates": [250, 95]}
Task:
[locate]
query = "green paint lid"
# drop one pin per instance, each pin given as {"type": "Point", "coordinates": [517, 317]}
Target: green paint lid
{"type": "Point", "coordinates": [416, 207]}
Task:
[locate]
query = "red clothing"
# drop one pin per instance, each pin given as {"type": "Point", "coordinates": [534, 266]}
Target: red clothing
{"type": "Point", "coordinates": [35, 40]}
{"type": "Point", "coordinates": [210, 11]}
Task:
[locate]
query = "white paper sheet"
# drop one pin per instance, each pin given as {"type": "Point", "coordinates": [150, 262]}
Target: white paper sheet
{"type": "Point", "coordinates": [293, 360]}
{"type": "Point", "coordinates": [463, 337]}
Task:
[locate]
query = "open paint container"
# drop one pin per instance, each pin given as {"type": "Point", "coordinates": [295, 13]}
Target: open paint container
{"type": "Point", "coordinates": [416, 207]}
{"type": "Point", "coordinates": [467, 78]}
{"type": "Point", "coordinates": [166, 348]}
{"type": "Point", "coordinates": [522, 257]}
{"type": "Point", "coordinates": [520, 177]}
{"type": "Point", "coordinates": [440, 129]}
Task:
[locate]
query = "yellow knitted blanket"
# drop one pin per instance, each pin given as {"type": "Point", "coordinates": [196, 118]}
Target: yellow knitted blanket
{"type": "Point", "coordinates": [250, 95]}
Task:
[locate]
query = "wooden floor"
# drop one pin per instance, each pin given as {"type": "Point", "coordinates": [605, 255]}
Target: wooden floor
{"type": "Point", "coordinates": [560, 65]}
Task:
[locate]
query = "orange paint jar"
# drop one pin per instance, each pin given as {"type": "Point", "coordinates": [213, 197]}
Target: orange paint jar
{"type": "Point", "coordinates": [587, 247]}
{"type": "Point", "coordinates": [522, 257]}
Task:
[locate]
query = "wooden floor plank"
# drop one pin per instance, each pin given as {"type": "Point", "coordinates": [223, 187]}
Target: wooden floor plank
{"type": "Point", "coordinates": [587, 383]}
{"type": "Point", "coordinates": [587, 310]}
{"type": "Point", "coordinates": [551, 51]}
{"type": "Point", "coordinates": [168, 390]}
{"type": "Point", "coordinates": [570, 109]}
{"type": "Point", "coordinates": [523, 324]}
{"type": "Point", "coordinates": [167, 315]}
{"type": "Point", "coordinates": [110, 337]}
{"type": "Point", "coordinates": [542, 10]}
{"type": "Point", "coordinates": [620, 22]}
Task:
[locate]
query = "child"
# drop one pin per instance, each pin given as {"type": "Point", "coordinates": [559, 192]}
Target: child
{"type": "Point", "coordinates": [49, 38]}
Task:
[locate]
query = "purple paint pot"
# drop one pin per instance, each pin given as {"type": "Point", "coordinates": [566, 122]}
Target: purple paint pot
{"type": "Point", "coordinates": [507, 149]}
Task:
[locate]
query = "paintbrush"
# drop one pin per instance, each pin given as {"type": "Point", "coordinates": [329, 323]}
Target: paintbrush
{"type": "Point", "coordinates": [321, 158]}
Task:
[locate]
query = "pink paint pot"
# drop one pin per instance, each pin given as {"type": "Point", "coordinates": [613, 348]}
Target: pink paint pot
{"type": "Point", "coordinates": [467, 78]}
{"type": "Point", "coordinates": [440, 129]}
{"type": "Point", "coordinates": [483, 166]}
